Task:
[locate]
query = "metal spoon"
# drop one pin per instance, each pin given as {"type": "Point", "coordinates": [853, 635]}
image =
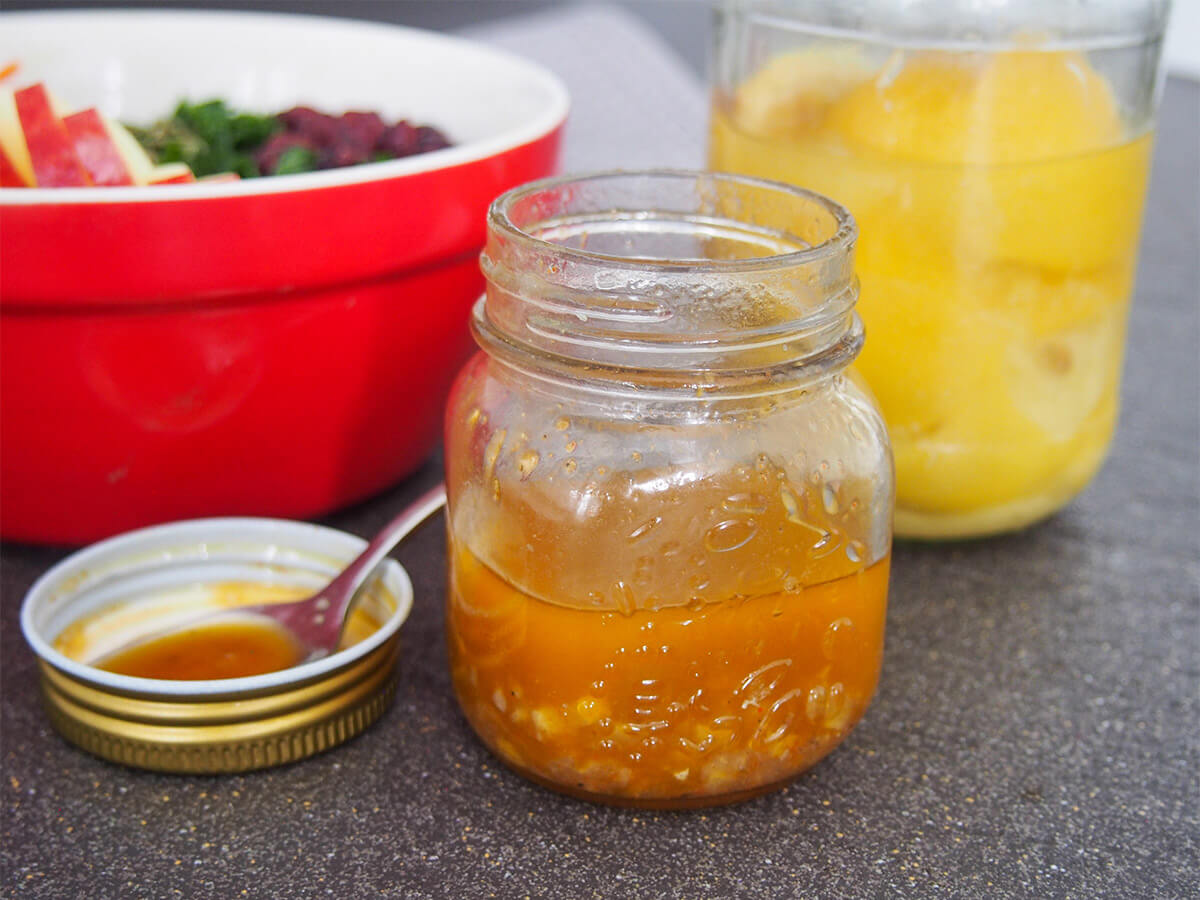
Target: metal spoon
{"type": "Point", "coordinates": [317, 621]}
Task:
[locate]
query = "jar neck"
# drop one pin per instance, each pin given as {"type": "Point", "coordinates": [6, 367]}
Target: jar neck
{"type": "Point", "coordinates": [670, 281]}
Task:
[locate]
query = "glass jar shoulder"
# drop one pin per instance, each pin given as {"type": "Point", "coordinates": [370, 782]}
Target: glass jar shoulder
{"type": "Point", "coordinates": [663, 503]}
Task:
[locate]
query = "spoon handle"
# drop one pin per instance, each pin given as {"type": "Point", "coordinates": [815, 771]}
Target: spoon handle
{"type": "Point", "coordinates": [341, 590]}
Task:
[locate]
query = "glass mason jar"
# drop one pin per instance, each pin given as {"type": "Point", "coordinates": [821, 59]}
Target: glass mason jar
{"type": "Point", "coordinates": [995, 157]}
{"type": "Point", "coordinates": [669, 502]}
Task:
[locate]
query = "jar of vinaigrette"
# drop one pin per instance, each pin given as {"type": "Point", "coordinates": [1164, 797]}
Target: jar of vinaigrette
{"type": "Point", "coordinates": [670, 501]}
{"type": "Point", "coordinates": [995, 157]}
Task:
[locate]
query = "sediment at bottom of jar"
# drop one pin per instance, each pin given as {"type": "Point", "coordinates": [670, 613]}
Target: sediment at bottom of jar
{"type": "Point", "coordinates": [663, 803]}
{"type": "Point", "coordinates": [574, 777]}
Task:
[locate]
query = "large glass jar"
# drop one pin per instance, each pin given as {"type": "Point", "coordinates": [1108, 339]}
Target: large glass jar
{"type": "Point", "coordinates": [995, 157]}
{"type": "Point", "coordinates": [669, 502]}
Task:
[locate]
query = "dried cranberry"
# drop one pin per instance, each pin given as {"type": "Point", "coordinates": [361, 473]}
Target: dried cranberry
{"type": "Point", "coordinates": [429, 138]}
{"type": "Point", "coordinates": [399, 140]}
{"type": "Point", "coordinates": [267, 157]}
{"type": "Point", "coordinates": [348, 139]}
{"type": "Point", "coordinates": [363, 128]}
{"type": "Point", "coordinates": [345, 153]}
{"type": "Point", "coordinates": [318, 126]}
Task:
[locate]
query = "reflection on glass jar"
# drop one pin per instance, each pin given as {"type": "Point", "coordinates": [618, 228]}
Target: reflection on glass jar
{"type": "Point", "coordinates": [669, 503]}
{"type": "Point", "coordinates": [997, 166]}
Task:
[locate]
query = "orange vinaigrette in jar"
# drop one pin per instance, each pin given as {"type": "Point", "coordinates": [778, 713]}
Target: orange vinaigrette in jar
{"type": "Point", "coordinates": [669, 503]}
{"type": "Point", "coordinates": [676, 703]}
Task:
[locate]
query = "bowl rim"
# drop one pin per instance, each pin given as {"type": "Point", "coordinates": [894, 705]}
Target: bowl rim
{"type": "Point", "coordinates": [546, 122]}
{"type": "Point", "coordinates": [198, 531]}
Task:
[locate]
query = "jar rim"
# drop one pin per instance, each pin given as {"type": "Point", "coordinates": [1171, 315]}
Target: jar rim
{"type": "Point", "coordinates": [499, 220]}
{"type": "Point", "coordinates": [929, 24]}
{"type": "Point", "coordinates": [671, 277]}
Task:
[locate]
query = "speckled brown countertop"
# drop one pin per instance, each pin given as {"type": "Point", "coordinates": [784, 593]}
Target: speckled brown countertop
{"type": "Point", "coordinates": [1035, 733]}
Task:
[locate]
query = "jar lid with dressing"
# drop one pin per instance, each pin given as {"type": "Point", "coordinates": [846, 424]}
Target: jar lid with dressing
{"type": "Point", "coordinates": [234, 695]}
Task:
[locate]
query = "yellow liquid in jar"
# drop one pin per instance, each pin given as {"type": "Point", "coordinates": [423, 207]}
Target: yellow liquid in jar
{"type": "Point", "coordinates": [999, 202]}
{"type": "Point", "coordinates": [667, 703]}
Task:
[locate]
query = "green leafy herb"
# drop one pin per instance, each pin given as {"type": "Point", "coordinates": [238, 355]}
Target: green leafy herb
{"type": "Point", "coordinates": [209, 138]}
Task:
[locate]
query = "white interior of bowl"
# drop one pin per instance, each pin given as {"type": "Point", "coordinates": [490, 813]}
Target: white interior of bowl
{"type": "Point", "coordinates": [136, 65]}
{"type": "Point", "coordinates": [202, 551]}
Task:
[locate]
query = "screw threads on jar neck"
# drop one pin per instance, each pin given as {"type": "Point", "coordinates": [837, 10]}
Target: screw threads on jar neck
{"type": "Point", "coordinates": [670, 279]}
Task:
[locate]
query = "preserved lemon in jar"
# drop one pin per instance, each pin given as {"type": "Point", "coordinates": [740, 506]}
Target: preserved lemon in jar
{"type": "Point", "coordinates": [997, 169]}
{"type": "Point", "coordinates": [669, 502]}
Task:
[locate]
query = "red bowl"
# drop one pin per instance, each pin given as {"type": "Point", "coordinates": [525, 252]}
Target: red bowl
{"type": "Point", "coordinates": [281, 346]}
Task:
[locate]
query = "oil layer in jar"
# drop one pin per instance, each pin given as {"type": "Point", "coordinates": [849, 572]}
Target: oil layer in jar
{"type": "Point", "coordinates": [660, 702]}
{"type": "Point", "coordinates": [999, 198]}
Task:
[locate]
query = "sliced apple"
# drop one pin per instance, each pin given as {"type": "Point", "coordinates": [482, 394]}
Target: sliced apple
{"type": "Point", "coordinates": [55, 162]}
{"type": "Point", "coordinates": [137, 160]}
{"type": "Point", "coordinates": [99, 155]}
{"type": "Point", "coordinates": [60, 109]}
{"type": "Point", "coordinates": [9, 176]}
{"type": "Point", "coordinates": [12, 139]}
{"type": "Point", "coordinates": [172, 173]}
